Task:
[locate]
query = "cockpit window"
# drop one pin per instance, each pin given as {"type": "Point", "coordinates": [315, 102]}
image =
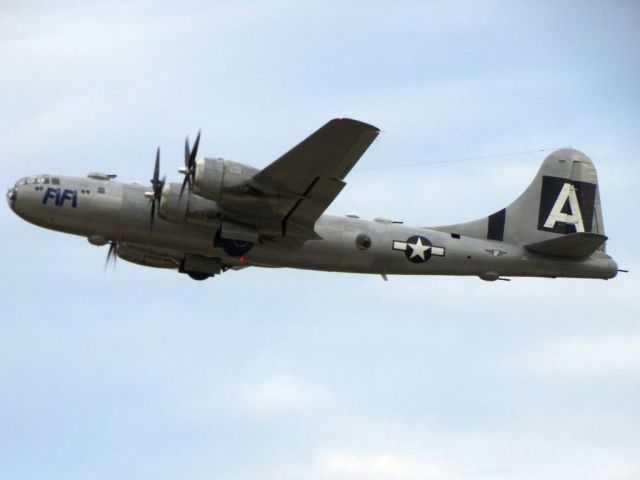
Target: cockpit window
{"type": "Point", "coordinates": [43, 180]}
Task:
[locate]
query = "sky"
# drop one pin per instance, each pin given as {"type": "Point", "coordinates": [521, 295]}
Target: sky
{"type": "Point", "coordinates": [134, 372]}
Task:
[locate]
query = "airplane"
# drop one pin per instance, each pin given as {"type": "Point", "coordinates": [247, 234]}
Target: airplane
{"type": "Point", "coordinates": [227, 215]}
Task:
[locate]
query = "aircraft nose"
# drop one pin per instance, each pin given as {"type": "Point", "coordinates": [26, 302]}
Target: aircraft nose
{"type": "Point", "coordinates": [12, 194]}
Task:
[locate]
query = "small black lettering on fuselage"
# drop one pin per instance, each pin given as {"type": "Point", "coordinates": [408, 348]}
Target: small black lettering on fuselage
{"type": "Point", "coordinates": [60, 196]}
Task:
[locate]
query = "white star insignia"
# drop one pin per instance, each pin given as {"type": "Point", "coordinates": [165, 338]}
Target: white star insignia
{"type": "Point", "coordinates": [418, 249]}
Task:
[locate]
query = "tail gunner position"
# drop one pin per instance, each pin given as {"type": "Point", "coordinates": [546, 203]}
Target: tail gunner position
{"type": "Point", "coordinates": [229, 215]}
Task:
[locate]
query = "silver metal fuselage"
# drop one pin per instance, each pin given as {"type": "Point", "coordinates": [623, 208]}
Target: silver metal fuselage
{"type": "Point", "coordinates": [119, 212]}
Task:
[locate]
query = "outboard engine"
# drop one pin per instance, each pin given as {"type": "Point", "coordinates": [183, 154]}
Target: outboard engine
{"type": "Point", "coordinates": [218, 179]}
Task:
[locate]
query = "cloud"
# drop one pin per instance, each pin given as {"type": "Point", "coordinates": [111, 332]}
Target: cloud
{"type": "Point", "coordinates": [584, 357]}
{"type": "Point", "coordinates": [280, 394]}
{"type": "Point", "coordinates": [272, 396]}
{"type": "Point", "coordinates": [288, 374]}
{"type": "Point", "coordinates": [355, 465]}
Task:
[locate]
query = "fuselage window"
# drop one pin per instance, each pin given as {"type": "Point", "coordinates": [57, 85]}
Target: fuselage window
{"type": "Point", "coordinates": [101, 190]}
{"type": "Point", "coordinates": [55, 181]}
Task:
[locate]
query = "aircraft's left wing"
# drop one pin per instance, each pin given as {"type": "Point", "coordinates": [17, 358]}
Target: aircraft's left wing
{"type": "Point", "coordinates": [311, 173]}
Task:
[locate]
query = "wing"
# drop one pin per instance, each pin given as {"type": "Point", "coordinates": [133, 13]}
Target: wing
{"type": "Point", "coordinates": [311, 173]}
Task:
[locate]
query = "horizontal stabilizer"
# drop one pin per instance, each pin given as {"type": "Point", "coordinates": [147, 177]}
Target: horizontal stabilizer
{"type": "Point", "coordinates": [575, 245]}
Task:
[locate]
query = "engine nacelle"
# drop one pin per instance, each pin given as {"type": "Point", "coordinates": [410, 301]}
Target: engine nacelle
{"type": "Point", "coordinates": [189, 208]}
{"type": "Point", "coordinates": [148, 256]}
{"type": "Point", "coordinates": [218, 179]}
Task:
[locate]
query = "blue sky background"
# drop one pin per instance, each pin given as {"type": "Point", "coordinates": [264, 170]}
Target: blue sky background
{"type": "Point", "coordinates": [283, 374]}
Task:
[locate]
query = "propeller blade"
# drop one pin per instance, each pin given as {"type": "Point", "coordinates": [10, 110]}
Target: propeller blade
{"type": "Point", "coordinates": [153, 214]}
{"type": "Point", "coordinates": [187, 152]}
{"type": "Point", "coordinates": [111, 254]}
{"type": "Point", "coordinates": [156, 186]}
{"type": "Point", "coordinates": [184, 184]}
{"type": "Point", "coordinates": [156, 171]}
{"type": "Point", "coordinates": [194, 152]}
{"type": "Point", "coordinates": [190, 163]}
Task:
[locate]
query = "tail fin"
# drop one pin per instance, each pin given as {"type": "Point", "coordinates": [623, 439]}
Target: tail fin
{"type": "Point", "coordinates": [562, 200]}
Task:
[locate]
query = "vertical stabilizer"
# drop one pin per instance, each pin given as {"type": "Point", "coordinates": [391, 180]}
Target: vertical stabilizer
{"type": "Point", "coordinates": [562, 199]}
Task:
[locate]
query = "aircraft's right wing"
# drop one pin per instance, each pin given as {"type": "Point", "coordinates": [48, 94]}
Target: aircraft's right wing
{"type": "Point", "coordinates": [312, 172]}
{"type": "Point", "coordinates": [329, 152]}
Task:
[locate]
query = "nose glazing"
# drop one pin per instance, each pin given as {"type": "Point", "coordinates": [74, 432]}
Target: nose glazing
{"type": "Point", "coordinates": [11, 196]}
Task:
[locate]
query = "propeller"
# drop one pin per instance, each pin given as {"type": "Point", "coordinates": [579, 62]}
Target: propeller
{"type": "Point", "coordinates": [156, 185]}
{"type": "Point", "coordinates": [189, 169]}
{"type": "Point", "coordinates": [111, 254]}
